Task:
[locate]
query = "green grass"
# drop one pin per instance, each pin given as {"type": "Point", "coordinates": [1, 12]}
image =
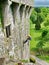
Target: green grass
{"type": "Point", "coordinates": [35, 34]}
{"type": "Point", "coordinates": [45, 58]}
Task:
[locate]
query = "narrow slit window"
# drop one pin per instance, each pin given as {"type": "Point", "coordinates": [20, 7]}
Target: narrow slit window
{"type": "Point", "coordinates": [8, 33]}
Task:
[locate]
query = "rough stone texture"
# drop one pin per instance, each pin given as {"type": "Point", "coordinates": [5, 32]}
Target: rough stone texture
{"type": "Point", "coordinates": [22, 64]}
{"type": "Point", "coordinates": [39, 61]}
{"type": "Point", "coordinates": [30, 2]}
{"type": "Point", "coordinates": [29, 64]}
{"type": "Point", "coordinates": [2, 48]}
{"type": "Point", "coordinates": [16, 16]}
{"type": "Point", "coordinates": [7, 19]}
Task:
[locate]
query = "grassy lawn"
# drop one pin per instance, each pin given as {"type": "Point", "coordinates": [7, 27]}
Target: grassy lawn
{"type": "Point", "coordinates": [35, 34]}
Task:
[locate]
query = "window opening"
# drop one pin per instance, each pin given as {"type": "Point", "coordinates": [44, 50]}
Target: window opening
{"type": "Point", "coordinates": [8, 33]}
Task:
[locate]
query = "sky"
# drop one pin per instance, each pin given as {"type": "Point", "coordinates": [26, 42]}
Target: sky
{"type": "Point", "coordinates": [41, 3]}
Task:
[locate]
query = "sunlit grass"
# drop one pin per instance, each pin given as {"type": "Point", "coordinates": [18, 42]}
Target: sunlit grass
{"type": "Point", "coordinates": [45, 58]}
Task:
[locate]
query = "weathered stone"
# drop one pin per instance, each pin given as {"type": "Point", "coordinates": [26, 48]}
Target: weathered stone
{"type": "Point", "coordinates": [30, 2]}
{"type": "Point", "coordinates": [15, 18]}
{"type": "Point", "coordinates": [2, 60]}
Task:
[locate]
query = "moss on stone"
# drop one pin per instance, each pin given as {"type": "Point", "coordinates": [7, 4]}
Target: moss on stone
{"type": "Point", "coordinates": [24, 61]}
{"type": "Point", "coordinates": [32, 60]}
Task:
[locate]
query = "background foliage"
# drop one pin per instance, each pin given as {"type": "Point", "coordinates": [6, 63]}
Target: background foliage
{"type": "Point", "coordinates": [39, 30]}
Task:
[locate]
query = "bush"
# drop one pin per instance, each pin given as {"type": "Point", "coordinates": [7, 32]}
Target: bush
{"type": "Point", "coordinates": [38, 10]}
{"type": "Point", "coordinates": [37, 26]}
{"type": "Point", "coordinates": [32, 60]}
{"type": "Point", "coordinates": [44, 33]}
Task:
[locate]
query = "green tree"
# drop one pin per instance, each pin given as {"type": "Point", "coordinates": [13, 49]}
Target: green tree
{"type": "Point", "coordinates": [37, 17]}
{"type": "Point", "coordinates": [46, 23]}
{"type": "Point", "coordinates": [45, 11]}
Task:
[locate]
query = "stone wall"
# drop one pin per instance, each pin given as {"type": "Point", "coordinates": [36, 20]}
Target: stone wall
{"type": "Point", "coordinates": [26, 2]}
{"type": "Point", "coordinates": [15, 18]}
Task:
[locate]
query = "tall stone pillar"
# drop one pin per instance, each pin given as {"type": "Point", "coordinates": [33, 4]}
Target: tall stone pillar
{"type": "Point", "coordinates": [29, 11]}
{"type": "Point", "coordinates": [17, 33]}
{"type": "Point", "coordinates": [27, 33]}
{"type": "Point", "coordinates": [8, 28]}
{"type": "Point", "coordinates": [26, 46]}
{"type": "Point", "coordinates": [22, 19]}
{"type": "Point", "coordinates": [5, 19]}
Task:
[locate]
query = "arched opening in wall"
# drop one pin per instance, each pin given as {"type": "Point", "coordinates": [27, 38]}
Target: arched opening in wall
{"type": "Point", "coordinates": [14, 6]}
{"type": "Point", "coordinates": [26, 10]}
{"type": "Point", "coordinates": [8, 31]}
{"type": "Point", "coordinates": [1, 21]}
{"type": "Point", "coordinates": [29, 11]}
{"type": "Point", "coordinates": [21, 11]}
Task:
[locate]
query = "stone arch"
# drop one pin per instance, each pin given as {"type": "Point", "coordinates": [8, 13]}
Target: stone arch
{"type": "Point", "coordinates": [21, 10]}
{"type": "Point", "coordinates": [29, 11]}
{"type": "Point", "coordinates": [13, 6]}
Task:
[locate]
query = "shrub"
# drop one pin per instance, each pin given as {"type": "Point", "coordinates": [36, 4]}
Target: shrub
{"type": "Point", "coordinates": [37, 26]}
{"type": "Point", "coordinates": [32, 60]}
{"type": "Point", "coordinates": [44, 33]}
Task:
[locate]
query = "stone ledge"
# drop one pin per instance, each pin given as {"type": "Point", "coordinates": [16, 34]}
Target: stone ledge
{"type": "Point", "coordinates": [20, 64]}
{"type": "Point", "coordinates": [29, 64]}
{"type": "Point", "coordinates": [30, 2]}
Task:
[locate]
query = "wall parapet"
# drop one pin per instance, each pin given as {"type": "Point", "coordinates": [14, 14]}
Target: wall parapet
{"type": "Point", "coordinates": [27, 2]}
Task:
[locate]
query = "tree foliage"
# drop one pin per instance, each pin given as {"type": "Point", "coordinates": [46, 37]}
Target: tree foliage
{"type": "Point", "coordinates": [38, 16]}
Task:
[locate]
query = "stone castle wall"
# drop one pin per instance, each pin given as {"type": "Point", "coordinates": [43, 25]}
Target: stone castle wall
{"type": "Point", "coordinates": [15, 18]}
